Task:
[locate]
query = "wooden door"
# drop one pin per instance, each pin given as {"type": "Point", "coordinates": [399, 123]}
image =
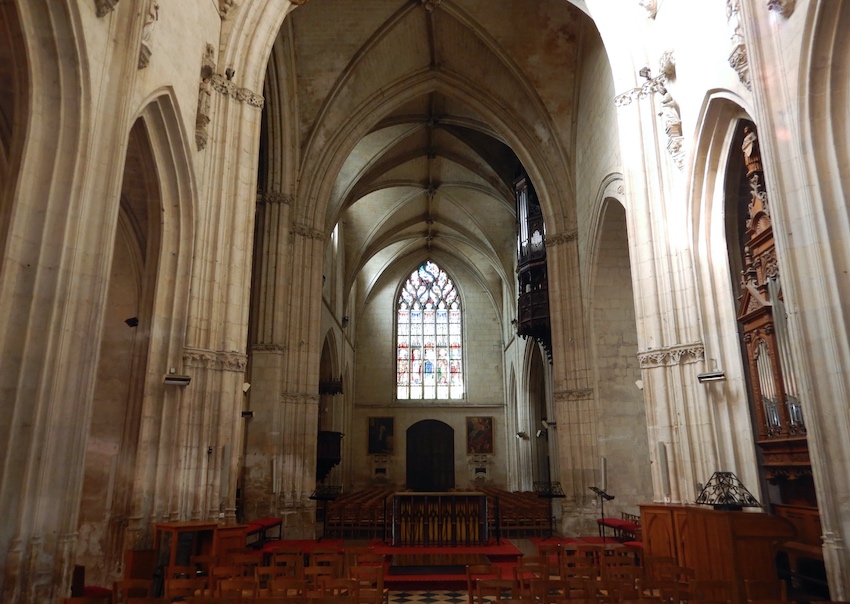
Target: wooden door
{"type": "Point", "coordinates": [430, 456]}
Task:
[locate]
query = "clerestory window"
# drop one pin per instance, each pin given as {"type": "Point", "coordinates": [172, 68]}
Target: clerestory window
{"type": "Point", "coordinates": [429, 349]}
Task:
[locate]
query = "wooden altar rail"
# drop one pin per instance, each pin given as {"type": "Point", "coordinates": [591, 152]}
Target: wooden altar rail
{"type": "Point", "coordinates": [368, 514]}
{"type": "Point", "coordinates": [440, 519]}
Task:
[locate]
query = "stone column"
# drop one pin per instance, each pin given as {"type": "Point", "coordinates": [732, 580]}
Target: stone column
{"type": "Point", "coordinates": [574, 402]}
{"type": "Point", "coordinates": [281, 453]}
{"type": "Point", "coordinates": [671, 351]}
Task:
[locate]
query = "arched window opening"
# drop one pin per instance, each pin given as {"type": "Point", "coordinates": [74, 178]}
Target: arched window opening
{"type": "Point", "coordinates": [429, 351]}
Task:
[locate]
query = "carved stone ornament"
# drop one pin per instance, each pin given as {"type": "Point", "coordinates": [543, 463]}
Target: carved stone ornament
{"type": "Point", "coordinates": [667, 65]}
{"type": "Point", "coordinates": [146, 47]}
{"type": "Point", "coordinates": [226, 87]}
{"type": "Point", "coordinates": [651, 7]}
{"type": "Point", "coordinates": [202, 119]}
{"type": "Point", "coordinates": [104, 7]}
{"type": "Point", "coordinates": [307, 232]}
{"type": "Point", "coordinates": [740, 63]}
{"type": "Point", "coordinates": [216, 361]}
{"type": "Point", "coordinates": [579, 394]}
{"type": "Point", "coordinates": [559, 238]}
{"type": "Point", "coordinates": [275, 197]}
{"type": "Point", "coordinates": [783, 7]}
{"type": "Point", "coordinates": [225, 6]}
{"type": "Point", "coordinates": [430, 5]}
{"type": "Point", "coordinates": [672, 355]}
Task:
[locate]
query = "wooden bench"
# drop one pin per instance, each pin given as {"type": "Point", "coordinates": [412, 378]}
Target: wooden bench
{"type": "Point", "coordinates": [259, 529]}
{"type": "Point", "coordinates": [626, 527]}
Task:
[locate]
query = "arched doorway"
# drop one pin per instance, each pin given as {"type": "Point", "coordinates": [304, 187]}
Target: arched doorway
{"type": "Point", "coordinates": [430, 456]}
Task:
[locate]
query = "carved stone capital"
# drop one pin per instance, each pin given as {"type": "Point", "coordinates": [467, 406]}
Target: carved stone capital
{"type": "Point", "coordinates": [559, 238]}
{"type": "Point", "coordinates": [430, 5]}
{"type": "Point", "coordinates": [104, 7]}
{"type": "Point", "coordinates": [305, 231]}
{"type": "Point", "coordinates": [783, 7]}
{"type": "Point", "coordinates": [578, 394]}
{"type": "Point", "coordinates": [228, 88]}
{"type": "Point", "coordinates": [669, 356]}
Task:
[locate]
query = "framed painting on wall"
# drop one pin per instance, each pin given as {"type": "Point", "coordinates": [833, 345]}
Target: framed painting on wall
{"type": "Point", "coordinates": [381, 435]}
{"type": "Point", "coordinates": [479, 435]}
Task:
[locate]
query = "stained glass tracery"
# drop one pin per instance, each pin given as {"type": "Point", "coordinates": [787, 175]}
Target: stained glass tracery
{"type": "Point", "coordinates": [429, 350]}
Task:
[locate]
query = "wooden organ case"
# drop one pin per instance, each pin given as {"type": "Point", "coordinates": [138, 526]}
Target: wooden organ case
{"type": "Point", "coordinates": [778, 413]}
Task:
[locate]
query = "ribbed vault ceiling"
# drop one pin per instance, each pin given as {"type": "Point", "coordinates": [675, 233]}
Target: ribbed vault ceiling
{"type": "Point", "coordinates": [431, 176]}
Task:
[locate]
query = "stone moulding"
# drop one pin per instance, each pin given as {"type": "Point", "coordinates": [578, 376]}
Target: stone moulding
{"type": "Point", "coordinates": [226, 87]}
{"type": "Point", "coordinates": [670, 356]}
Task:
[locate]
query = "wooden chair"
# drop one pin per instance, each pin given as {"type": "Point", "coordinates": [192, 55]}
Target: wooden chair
{"type": "Point", "coordinates": [488, 590]}
{"type": "Point", "coordinates": [765, 590]}
{"type": "Point", "coordinates": [528, 569]}
{"type": "Point", "coordinates": [550, 591]}
{"type": "Point", "coordinates": [551, 551]}
{"type": "Point", "coordinates": [606, 591]}
{"type": "Point", "coordinates": [182, 588]}
{"type": "Point", "coordinates": [654, 565]}
{"type": "Point", "coordinates": [577, 566]}
{"type": "Point", "coordinates": [702, 589]}
{"type": "Point", "coordinates": [148, 600]}
{"type": "Point", "coordinates": [130, 588]}
{"type": "Point", "coordinates": [203, 563]}
{"type": "Point", "coordinates": [179, 572]}
{"type": "Point", "coordinates": [293, 561]}
{"type": "Point", "coordinates": [240, 587]}
{"type": "Point", "coordinates": [315, 576]}
{"type": "Point", "coordinates": [287, 589]}
{"type": "Point", "coordinates": [335, 587]}
{"type": "Point", "coordinates": [85, 600]}
{"type": "Point", "coordinates": [333, 559]}
{"type": "Point", "coordinates": [371, 580]}
{"type": "Point", "coordinates": [475, 572]}
{"type": "Point", "coordinates": [669, 592]}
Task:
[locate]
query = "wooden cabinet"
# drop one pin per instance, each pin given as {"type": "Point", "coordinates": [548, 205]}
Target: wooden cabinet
{"type": "Point", "coordinates": [176, 542]}
{"type": "Point", "coordinates": [718, 545]}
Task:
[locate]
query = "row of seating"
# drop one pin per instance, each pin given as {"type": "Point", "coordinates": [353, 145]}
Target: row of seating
{"type": "Point", "coordinates": [520, 513]}
{"type": "Point", "coordinates": [288, 573]}
{"type": "Point", "coordinates": [361, 514]}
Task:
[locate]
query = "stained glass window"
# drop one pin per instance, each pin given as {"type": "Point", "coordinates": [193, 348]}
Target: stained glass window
{"type": "Point", "coordinates": [429, 349]}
